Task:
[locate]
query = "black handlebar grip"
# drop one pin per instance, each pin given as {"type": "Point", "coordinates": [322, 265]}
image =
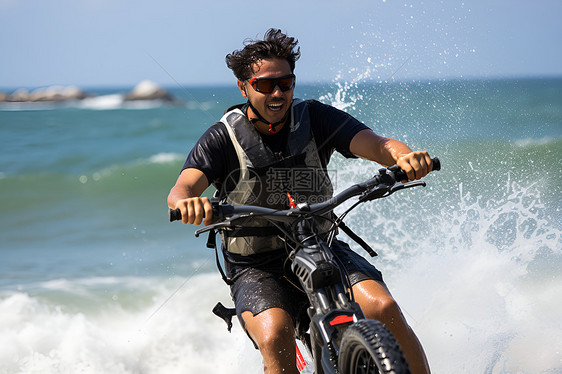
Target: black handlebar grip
{"type": "Point", "coordinates": [175, 215]}
{"type": "Point", "coordinates": [401, 175]}
{"type": "Point", "coordinates": [436, 164]}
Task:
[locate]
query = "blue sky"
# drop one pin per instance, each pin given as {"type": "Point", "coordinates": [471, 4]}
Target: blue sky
{"type": "Point", "coordinates": [119, 43]}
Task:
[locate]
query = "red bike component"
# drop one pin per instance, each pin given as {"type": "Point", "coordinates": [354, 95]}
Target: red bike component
{"type": "Point", "coordinates": [341, 319]}
{"type": "Point", "coordinates": [292, 203]}
{"type": "Point", "coordinates": [301, 363]}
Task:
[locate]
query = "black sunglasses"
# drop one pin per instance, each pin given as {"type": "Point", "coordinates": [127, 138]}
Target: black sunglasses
{"type": "Point", "coordinates": [267, 85]}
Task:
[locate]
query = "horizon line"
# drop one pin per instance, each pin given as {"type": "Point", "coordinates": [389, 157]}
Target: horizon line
{"type": "Point", "coordinates": [304, 83]}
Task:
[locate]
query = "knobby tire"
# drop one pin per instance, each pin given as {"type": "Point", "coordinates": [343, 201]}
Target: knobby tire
{"type": "Point", "coordinates": [367, 347]}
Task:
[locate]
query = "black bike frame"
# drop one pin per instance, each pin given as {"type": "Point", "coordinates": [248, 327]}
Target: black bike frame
{"type": "Point", "coordinates": [331, 306]}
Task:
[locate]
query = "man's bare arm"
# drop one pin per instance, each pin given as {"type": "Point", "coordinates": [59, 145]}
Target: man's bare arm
{"type": "Point", "coordinates": [387, 151]}
{"type": "Point", "coordinates": [185, 196]}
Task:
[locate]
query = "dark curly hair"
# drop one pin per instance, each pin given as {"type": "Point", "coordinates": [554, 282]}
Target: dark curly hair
{"type": "Point", "coordinates": [274, 45]}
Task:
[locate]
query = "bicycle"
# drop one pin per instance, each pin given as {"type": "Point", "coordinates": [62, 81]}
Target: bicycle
{"type": "Point", "coordinates": [339, 339]}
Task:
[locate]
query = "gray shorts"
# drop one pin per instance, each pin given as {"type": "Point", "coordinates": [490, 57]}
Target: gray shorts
{"type": "Point", "coordinates": [271, 284]}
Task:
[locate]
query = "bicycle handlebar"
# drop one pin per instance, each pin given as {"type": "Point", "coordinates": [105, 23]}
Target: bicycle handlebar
{"type": "Point", "coordinates": [174, 214]}
{"type": "Point", "coordinates": [378, 186]}
{"type": "Point", "coordinates": [401, 175]}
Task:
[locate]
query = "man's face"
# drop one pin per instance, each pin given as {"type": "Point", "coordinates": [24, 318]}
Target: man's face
{"type": "Point", "coordinates": [272, 106]}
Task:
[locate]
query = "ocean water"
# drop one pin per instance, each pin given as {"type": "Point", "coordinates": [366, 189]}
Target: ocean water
{"type": "Point", "coordinates": [95, 280]}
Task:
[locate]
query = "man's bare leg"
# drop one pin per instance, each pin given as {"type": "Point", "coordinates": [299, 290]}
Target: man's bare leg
{"type": "Point", "coordinates": [377, 303]}
{"type": "Point", "coordinates": [273, 332]}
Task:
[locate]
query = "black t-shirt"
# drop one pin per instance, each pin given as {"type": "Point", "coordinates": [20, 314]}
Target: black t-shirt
{"type": "Point", "coordinates": [332, 129]}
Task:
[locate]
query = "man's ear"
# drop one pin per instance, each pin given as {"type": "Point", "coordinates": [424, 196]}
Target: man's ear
{"type": "Point", "coordinates": [242, 88]}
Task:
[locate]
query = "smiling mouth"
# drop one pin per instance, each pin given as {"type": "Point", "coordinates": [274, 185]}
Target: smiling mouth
{"type": "Point", "coordinates": [276, 107]}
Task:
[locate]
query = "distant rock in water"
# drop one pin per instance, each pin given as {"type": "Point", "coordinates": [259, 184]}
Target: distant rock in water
{"type": "Point", "coordinates": [52, 93]}
{"type": "Point", "coordinates": [57, 93]}
{"type": "Point", "coordinates": [21, 94]}
{"type": "Point", "coordinates": [147, 90]}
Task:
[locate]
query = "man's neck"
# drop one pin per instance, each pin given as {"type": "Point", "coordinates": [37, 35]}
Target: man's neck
{"type": "Point", "coordinates": [263, 127]}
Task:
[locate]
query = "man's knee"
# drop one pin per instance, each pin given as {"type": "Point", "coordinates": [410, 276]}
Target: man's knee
{"type": "Point", "coordinates": [275, 336]}
{"type": "Point", "coordinates": [269, 329]}
{"type": "Point", "coordinates": [385, 310]}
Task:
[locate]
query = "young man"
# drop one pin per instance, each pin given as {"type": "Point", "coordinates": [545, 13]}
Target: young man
{"type": "Point", "coordinates": [244, 156]}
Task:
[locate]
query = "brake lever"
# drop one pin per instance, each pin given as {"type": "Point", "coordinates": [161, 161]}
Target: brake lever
{"type": "Point", "coordinates": [383, 190]}
{"type": "Point", "coordinates": [213, 226]}
{"type": "Point", "coordinates": [402, 186]}
{"type": "Point", "coordinates": [376, 193]}
{"type": "Point", "coordinates": [222, 224]}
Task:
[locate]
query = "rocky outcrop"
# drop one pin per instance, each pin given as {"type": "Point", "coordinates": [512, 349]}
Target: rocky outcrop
{"type": "Point", "coordinates": [52, 93]}
{"type": "Point", "coordinates": [147, 90]}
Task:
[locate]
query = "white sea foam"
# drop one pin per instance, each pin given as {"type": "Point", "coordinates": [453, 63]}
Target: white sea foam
{"type": "Point", "coordinates": [478, 312]}
{"type": "Point", "coordinates": [164, 158]}
{"type": "Point", "coordinates": [143, 104]}
{"type": "Point", "coordinates": [176, 336]}
{"type": "Point", "coordinates": [531, 141]}
{"type": "Point", "coordinates": [103, 102]}
{"type": "Point", "coordinates": [117, 101]}
{"type": "Point", "coordinates": [470, 289]}
{"type": "Point", "coordinates": [344, 98]}
{"type": "Point", "coordinates": [157, 159]}
{"type": "Point", "coordinates": [478, 274]}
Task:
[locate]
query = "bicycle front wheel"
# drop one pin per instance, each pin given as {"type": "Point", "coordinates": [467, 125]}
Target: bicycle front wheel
{"type": "Point", "coordinates": [367, 347]}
